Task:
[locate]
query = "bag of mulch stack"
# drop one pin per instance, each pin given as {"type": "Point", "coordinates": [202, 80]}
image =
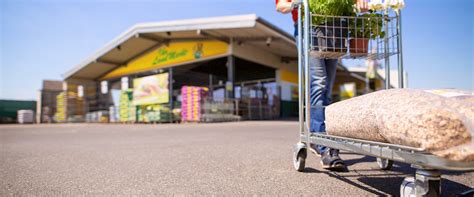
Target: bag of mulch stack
{"type": "Point", "coordinates": [439, 121]}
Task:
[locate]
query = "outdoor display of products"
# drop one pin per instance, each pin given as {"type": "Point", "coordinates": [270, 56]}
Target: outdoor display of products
{"type": "Point", "coordinates": [177, 113]}
{"type": "Point", "coordinates": [113, 114]}
{"type": "Point", "coordinates": [153, 113]}
{"type": "Point", "coordinates": [47, 114]}
{"type": "Point", "coordinates": [98, 117]}
{"type": "Point", "coordinates": [191, 101]}
{"type": "Point", "coordinates": [441, 124]}
{"type": "Point", "coordinates": [69, 106]}
{"type": "Point", "coordinates": [218, 111]}
{"type": "Point", "coordinates": [60, 115]}
{"type": "Point", "coordinates": [127, 111]}
{"type": "Point", "coordinates": [25, 116]}
{"type": "Point", "coordinates": [256, 103]}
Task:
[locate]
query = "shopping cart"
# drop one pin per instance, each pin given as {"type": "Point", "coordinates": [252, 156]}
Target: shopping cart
{"type": "Point", "coordinates": [375, 37]}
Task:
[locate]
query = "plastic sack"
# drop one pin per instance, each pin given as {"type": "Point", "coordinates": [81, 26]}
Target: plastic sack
{"type": "Point", "coordinates": [440, 121]}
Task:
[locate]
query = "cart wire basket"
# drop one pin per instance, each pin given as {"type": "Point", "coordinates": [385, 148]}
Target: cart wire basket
{"type": "Point", "coordinates": [372, 36]}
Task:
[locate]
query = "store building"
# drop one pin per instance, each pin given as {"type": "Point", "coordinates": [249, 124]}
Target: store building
{"type": "Point", "coordinates": [212, 69]}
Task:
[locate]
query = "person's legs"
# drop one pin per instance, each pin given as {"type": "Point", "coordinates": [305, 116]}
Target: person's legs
{"type": "Point", "coordinates": [331, 68]}
{"type": "Point", "coordinates": [323, 74]}
{"type": "Point", "coordinates": [318, 97]}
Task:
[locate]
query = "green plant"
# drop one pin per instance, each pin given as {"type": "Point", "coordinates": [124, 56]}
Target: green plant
{"type": "Point", "coordinates": [330, 8]}
{"type": "Point", "coordinates": [369, 25]}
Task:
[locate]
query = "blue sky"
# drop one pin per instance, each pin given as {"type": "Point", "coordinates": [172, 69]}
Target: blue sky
{"type": "Point", "coordinates": [42, 39]}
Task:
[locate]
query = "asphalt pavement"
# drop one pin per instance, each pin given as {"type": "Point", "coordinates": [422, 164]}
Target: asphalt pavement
{"type": "Point", "coordinates": [230, 159]}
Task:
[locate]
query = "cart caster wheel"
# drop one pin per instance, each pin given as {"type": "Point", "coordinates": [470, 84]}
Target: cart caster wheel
{"type": "Point", "coordinates": [407, 189]}
{"type": "Point", "coordinates": [384, 164]}
{"type": "Point", "coordinates": [299, 157]}
{"type": "Point", "coordinates": [426, 183]}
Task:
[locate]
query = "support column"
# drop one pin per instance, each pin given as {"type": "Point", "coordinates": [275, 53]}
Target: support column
{"type": "Point", "coordinates": [230, 76]}
{"type": "Point", "coordinates": [171, 100]}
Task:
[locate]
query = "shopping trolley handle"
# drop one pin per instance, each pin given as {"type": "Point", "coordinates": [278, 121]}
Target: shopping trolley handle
{"type": "Point", "coordinates": [296, 3]}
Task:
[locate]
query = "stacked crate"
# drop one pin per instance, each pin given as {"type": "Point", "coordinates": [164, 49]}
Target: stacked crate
{"type": "Point", "coordinates": [60, 115]}
{"type": "Point", "coordinates": [69, 107]}
{"type": "Point", "coordinates": [127, 111]}
{"type": "Point", "coordinates": [191, 101]}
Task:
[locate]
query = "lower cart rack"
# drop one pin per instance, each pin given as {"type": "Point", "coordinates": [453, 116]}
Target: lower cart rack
{"type": "Point", "coordinates": [426, 181]}
{"type": "Point", "coordinates": [405, 154]}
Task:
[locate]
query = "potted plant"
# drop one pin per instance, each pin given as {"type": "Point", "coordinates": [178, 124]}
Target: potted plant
{"type": "Point", "coordinates": [370, 25]}
{"type": "Point", "coordinates": [363, 28]}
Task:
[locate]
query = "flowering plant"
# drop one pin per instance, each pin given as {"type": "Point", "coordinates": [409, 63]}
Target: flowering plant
{"type": "Point", "coordinates": [369, 25]}
{"type": "Point", "coordinates": [378, 5]}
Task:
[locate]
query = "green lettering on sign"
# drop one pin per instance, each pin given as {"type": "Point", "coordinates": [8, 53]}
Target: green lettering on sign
{"type": "Point", "coordinates": [164, 55]}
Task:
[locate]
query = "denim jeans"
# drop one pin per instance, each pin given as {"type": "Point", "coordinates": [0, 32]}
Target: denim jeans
{"type": "Point", "coordinates": [322, 77]}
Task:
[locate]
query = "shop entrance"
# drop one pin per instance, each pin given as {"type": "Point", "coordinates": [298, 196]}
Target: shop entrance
{"type": "Point", "coordinates": [253, 95]}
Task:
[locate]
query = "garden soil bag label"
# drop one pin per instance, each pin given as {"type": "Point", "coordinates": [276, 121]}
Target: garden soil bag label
{"type": "Point", "coordinates": [438, 121]}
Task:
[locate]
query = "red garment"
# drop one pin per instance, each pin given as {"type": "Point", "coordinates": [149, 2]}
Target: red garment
{"type": "Point", "coordinates": [294, 12]}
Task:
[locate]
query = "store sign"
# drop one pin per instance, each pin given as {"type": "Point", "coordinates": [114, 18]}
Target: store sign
{"type": "Point", "coordinates": [171, 54]}
{"type": "Point", "coordinates": [151, 90]}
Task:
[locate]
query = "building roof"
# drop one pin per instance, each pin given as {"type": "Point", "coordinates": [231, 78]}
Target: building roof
{"type": "Point", "coordinates": [143, 37]}
{"type": "Point", "coordinates": [380, 74]}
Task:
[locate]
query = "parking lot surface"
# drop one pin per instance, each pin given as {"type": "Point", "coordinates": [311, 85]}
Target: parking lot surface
{"type": "Point", "coordinates": [242, 158]}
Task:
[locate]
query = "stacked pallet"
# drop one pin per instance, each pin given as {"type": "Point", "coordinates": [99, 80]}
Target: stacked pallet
{"type": "Point", "coordinates": [191, 101]}
{"type": "Point", "coordinates": [218, 111]}
{"type": "Point", "coordinates": [60, 115]}
{"type": "Point", "coordinates": [127, 111]}
{"type": "Point", "coordinates": [25, 116]}
{"type": "Point", "coordinates": [69, 107]}
{"type": "Point", "coordinates": [153, 113]}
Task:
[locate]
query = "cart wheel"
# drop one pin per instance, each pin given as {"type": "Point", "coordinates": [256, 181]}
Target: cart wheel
{"type": "Point", "coordinates": [299, 159]}
{"type": "Point", "coordinates": [384, 164]}
{"type": "Point", "coordinates": [407, 189]}
{"type": "Point", "coordinates": [425, 183]}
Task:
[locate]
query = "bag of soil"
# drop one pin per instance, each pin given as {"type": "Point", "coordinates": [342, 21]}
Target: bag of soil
{"type": "Point", "coordinates": [440, 121]}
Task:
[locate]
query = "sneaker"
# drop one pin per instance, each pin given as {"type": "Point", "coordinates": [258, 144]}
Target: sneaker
{"type": "Point", "coordinates": [314, 149]}
{"type": "Point", "coordinates": [330, 160]}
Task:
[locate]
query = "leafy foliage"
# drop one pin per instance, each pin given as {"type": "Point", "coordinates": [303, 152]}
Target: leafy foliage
{"type": "Point", "coordinates": [369, 25]}
{"type": "Point", "coordinates": [330, 8]}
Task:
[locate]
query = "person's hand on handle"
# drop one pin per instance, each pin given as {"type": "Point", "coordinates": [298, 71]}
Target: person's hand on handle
{"type": "Point", "coordinates": [286, 7]}
{"type": "Point", "coordinates": [362, 5]}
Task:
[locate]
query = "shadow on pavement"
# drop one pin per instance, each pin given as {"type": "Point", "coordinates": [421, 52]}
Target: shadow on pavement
{"type": "Point", "coordinates": [346, 180]}
{"type": "Point", "coordinates": [380, 183]}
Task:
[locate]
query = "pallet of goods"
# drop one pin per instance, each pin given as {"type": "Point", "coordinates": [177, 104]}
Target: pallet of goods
{"type": "Point", "coordinates": [127, 111]}
{"type": "Point", "coordinates": [191, 103]}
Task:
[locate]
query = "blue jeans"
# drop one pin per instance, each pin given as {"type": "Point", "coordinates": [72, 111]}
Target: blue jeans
{"type": "Point", "coordinates": [322, 77]}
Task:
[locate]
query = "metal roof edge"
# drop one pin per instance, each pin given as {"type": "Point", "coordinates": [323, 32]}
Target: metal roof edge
{"type": "Point", "coordinates": [107, 47]}
{"type": "Point", "coordinates": [277, 29]}
{"type": "Point", "coordinates": [235, 21]}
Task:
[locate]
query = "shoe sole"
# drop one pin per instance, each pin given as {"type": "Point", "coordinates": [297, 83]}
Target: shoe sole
{"type": "Point", "coordinates": [337, 166]}
{"type": "Point", "coordinates": [315, 152]}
